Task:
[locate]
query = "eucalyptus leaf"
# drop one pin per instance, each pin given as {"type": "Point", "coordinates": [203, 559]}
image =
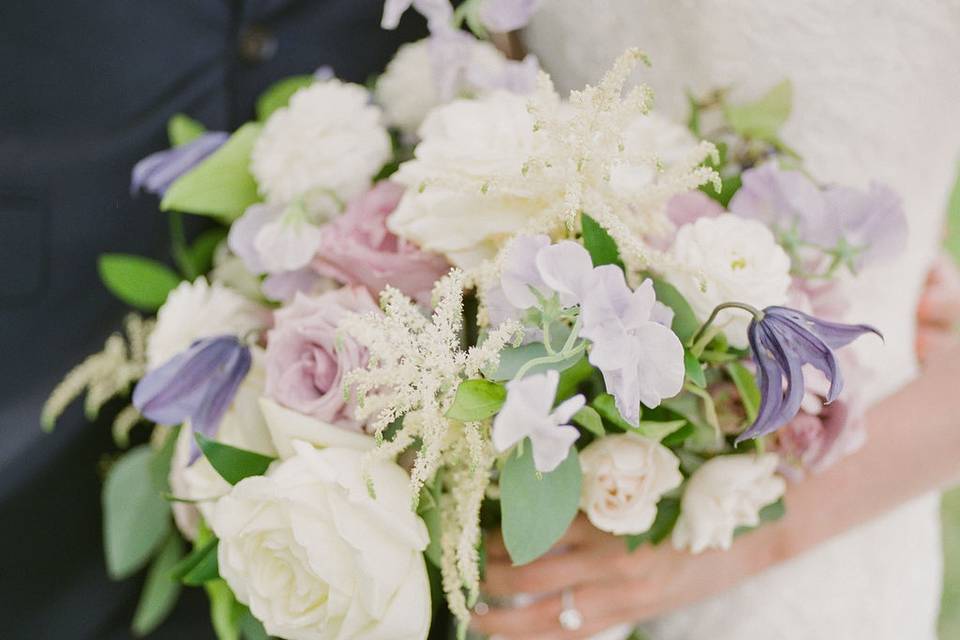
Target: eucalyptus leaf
{"type": "Point", "coordinates": [537, 508]}
{"type": "Point", "coordinates": [763, 118]}
{"type": "Point", "coordinates": [279, 93]}
{"type": "Point", "coordinates": [136, 518]}
{"type": "Point", "coordinates": [770, 513]}
{"type": "Point", "coordinates": [685, 323]}
{"type": "Point", "coordinates": [233, 464]}
{"type": "Point", "coordinates": [221, 186]}
{"type": "Point", "coordinates": [746, 385]}
{"type": "Point", "coordinates": [160, 592]}
{"type": "Point", "coordinates": [589, 419]}
{"type": "Point", "coordinates": [512, 360]}
{"type": "Point", "coordinates": [476, 400]}
{"type": "Point", "coordinates": [140, 282]}
{"type": "Point", "coordinates": [182, 129]}
{"type": "Point", "coordinates": [598, 243]}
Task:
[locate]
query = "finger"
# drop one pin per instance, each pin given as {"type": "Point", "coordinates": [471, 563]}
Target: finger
{"type": "Point", "coordinates": [578, 533]}
{"type": "Point", "coordinates": [552, 573]}
{"type": "Point", "coordinates": [931, 342]}
{"type": "Point", "coordinates": [588, 630]}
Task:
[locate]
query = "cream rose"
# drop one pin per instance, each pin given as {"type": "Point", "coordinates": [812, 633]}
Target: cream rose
{"type": "Point", "coordinates": [624, 476]}
{"type": "Point", "coordinates": [316, 558]}
{"type": "Point", "coordinates": [727, 492]}
{"type": "Point", "coordinates": [729, 259]}
{"type": "Point", "coordinates": [467, 142]}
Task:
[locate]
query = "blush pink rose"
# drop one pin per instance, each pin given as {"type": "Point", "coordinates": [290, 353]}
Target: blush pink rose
{"type": "Point", "coordinates": [307, 357]}
{"type": "Point", "coordinates": [356, 248]}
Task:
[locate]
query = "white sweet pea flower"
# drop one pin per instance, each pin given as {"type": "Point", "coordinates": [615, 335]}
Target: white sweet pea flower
{"type": "Point", "coordinates": [729, 259]}
{"type": "Point", "coordinates": [533, 264]}
{"type": "Point", "coordinates": [624, 477]}
{"type": "Point", "coordinates": [288, 241]}
{"type": "Point", "coordinates": [727, 492]}
{"type": "Point", "coordinates": [526, 414]}
{"type": "Point", "coordinates": [315, 557]}
{"type": "Point", "coordinates": [640, 358]}
{"type": "Point", "coordinates": [197, 310]}
{"type": "Point", "coordinates": [330, 139]}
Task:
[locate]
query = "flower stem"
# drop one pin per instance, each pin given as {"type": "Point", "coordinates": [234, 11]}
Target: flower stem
{"type": "Point", "coordinates": [550, 359]}
{"type": "Point", "coordinates": [698, 342]}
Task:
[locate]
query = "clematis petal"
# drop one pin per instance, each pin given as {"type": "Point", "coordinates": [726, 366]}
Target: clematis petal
{"type": "Point", "coordinates": [770, 383]}
{"type": "Point", "coordinates": [159, 170]}
{"type": "Point", "coordinates": [806, 347]}
{"type": "Point", "coordinates": [833, 334]}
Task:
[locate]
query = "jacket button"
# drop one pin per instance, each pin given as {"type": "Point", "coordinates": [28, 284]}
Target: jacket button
{"type": "Point", "coordinates": [256, 44]}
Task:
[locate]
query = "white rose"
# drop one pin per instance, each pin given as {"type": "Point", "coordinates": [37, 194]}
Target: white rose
{"type": "Point", "coordinates": [329, 139]}
{"type": "Point", "coordinates": [407, 90]}
{"type": "Point", "coordinates": [316, 558]}
{"type": "Point", "coordinates": [197, 310]}
{"type": "Point", "coordinates": [729, 259]}
{"type": "Point", "coordinates": [467, 142]}
{"type": "Point", "coordinates": [624, 476]}
{"type": "Point", "coordinates": [727, 492]}
{"type": "Point", "coordinates": [242, 426]}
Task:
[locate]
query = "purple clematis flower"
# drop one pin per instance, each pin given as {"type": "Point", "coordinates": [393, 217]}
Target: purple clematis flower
{"type": "Point", "coordinates": [782, 340]}
{"type": "Point", "coordinates": [197, 385]}
{"type": "Point", "coordinates": [159, 170]}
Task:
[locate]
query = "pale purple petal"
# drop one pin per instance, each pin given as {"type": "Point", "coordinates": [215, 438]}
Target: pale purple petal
{"type": "Point", "coordinates": [872, 222]}
{"type": "Point", "coordinates": [565, 268]}
{"type": "Point", "coordinates": [551, 446]}
{"type": "Point", "coordinates": [449, 51]}
{"type": "Point", "coordinates": [244, 230]}
{"type": "Point", "coordinates": [660, 369]}
{"type": "Point", "coordinates": [685, 208]}
{"type": "Point", "coordinates": [834, 334]}
{"type": "Point", "coordinates": [566, 409]}
{"type": "Point", "coordinates": [284, 286]}
{"type": "Point", "coordinates": [520, 271]}
{"type": "Point", "coordinates": [159, 170]}
{"type": "Point", "coordinates": [662, 314]}
{"type": "Point", "coordinates": [392, 10]}
{"type": "Point", "coordinates": [503, 16]}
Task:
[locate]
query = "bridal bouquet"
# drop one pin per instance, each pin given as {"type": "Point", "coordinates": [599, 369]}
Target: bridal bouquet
{"type": "Point", "coordinates": [458, 301]}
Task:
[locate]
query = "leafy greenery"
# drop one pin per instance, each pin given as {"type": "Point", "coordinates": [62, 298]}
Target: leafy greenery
{"type": "Point", "coordinates": [770, 513]}
{"type": "Point", "coordinates": [512, 359]}
{"type": "Point", "coordinates": [226, 613]}
{"type": "Point", "coordinates": [231, 463]}
{"type": "Point", "coordinates": [428, 508]}
{"type": "Point", "coordinates": [221, 186]}
{"type": "Point", "coordinates": [182, 129]}
{"type": "Point", "coordinates": [140, 282]}
{"type": "Point", "coordinates": [668, 511]}
{"type": "Point", "coordinates": [685, 323]}
{"type": "Point", "coordinates": [693, 369]}
{"type": "Point", "coordinates": [136, 518]}
{"type": "Point", "coordinates": [278, 94]}
{"type": "Point", "coordinates": [605, 405]}
{"type": "Point", "coordinates": [601, 247]}
{"type": "Point", "coordinates": [763, 118]}
{"type": "Point", "coordinates": [746, 385]}
{"type": "Point", "coordinates": [477, 400]}
{"type": "Point", "coordinates": [589, 419]}
{"type": "Point", "coordinates": [160, 592]}
{"type": "Point", "coordinates": [537, 508]}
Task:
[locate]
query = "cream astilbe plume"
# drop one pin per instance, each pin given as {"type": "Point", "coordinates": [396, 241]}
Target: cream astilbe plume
{"type": "Point", "coordinates": [414, 369]}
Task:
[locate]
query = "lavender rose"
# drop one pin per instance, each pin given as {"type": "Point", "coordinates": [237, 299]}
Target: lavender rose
{"type": "Point", "coordinates": [307, 358]}
{"type": "Point", "coordinates": [356, 248]}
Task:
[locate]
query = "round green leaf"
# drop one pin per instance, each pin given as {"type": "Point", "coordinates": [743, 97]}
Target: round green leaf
{"type": "Point", "coordinates": [160, 591]}
{"type": "Point", "coordinates": [140, 282]}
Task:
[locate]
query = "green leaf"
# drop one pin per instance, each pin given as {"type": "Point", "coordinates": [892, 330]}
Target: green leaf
{"type": "Point", "coordinates": [140, 282]}
{"type": "Point", "coordinates": [160, 592]}
{"type": "Point", "coordinates": [746, 385]}
{"type": "Point", "coordinates": [477, 400]}
{"type": "Point", "coordinates": [278, 94]}
{"type": "Point", "coordinates": [182, 129]}
{"type": "Point", "coordinates": [668, 511]}
{"type": "Point", "coordinates": [685, 323]}
{"type": "Point", "coordinates": [231, 463]}
{"type": "Point", "coordinates": [195, 558]}
{"type": "Point", "coordinates": [770, 513]}
{"type": "Point", "coordinates": [136, 518]}
{"type": "Point", "coordinates": [221, 186]}
{"type": "Point", "coordinates": [251, 628]}
{"type": "Point", "coordinates": [606, 406]}
{"type": "Point", "coordinates": [202, 250]}
{"type": "Point", "coordinates": [598, 243]}
{"type": "Point", "coordinates": [676, 438]}
{"type": "Point", "coordinates": [659, 429]}
{"type": "Point", "coordinates": [205, 568]}
{"type": "Point", "coordinates": [226, 613]}
{"type": "Point", "coordinates": [429, 510]}
{"type": "Point", "coordinates": [537, 509]}
{"type": "Point", "coordinates": [693, 369]}
{"type": "Point", "coordinates": [763, 118]}
{"type": "Point", "coordinates": [589, 419]}
{"type": "Point", "coordinates": [693, 120]}
{"type": "Point", "coordinates": [572, 377]}
{"type": "Point", "coordinates": [512, 360]}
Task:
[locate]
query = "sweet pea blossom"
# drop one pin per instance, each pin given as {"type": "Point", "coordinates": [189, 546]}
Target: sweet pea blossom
{"type": "Point", "coordinates": [356, 248]}
{"type": "Point", "coordinates": [197, 385]}
{"type": "Point", "coordinates": [502, 16]}
{"type": "Point", "coordinates": [526, 414]}
{"type": "Point", "coordinates": [782, 341]}
{"type": "Point", "coordinates": [159, 170]}
{"type": "Point", "coordinates": [640, 358]}
{"type": "Point", "coordinates": [532, 266]}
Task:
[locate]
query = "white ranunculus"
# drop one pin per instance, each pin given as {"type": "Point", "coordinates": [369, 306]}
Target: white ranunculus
{"type": "Point", "coordinates": [624, 476]}
{"type": "Point", "coordinates": [197, 310]}
{"type": "Point", "coordinates": [315, 557]}
{"type": "Point", "coordinates": [408, 88]}
{"type": "Point", "coordinates": [727, 492]}
{"type": "Point", "coordinates": [242, 426]}
{"type": "Point", "coordinates": [729, 259]}
{"type": "Point", "coordinates": [652, 143]}
{"type": "Point", "coordinates": [329, 139]}
{"type": "Point", "coordinates": [467, 142]}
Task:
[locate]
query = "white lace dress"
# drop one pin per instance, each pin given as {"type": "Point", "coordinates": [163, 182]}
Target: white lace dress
{"type": "Point", "coordinates": [876, 96]}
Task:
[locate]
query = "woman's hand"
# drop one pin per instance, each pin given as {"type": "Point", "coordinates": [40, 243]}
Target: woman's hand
{"type": "Point", "coordinates": [938, 314]}
{"type": "Point", "coordinates": [610, 585]}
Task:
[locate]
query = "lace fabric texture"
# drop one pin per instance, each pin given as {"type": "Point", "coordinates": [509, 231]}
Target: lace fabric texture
{"type": "Point", "coordinates": [876, 88]}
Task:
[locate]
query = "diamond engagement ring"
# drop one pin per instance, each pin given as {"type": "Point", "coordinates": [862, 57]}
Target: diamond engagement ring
{"type": "Point", "coordinates": [570, 617]}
